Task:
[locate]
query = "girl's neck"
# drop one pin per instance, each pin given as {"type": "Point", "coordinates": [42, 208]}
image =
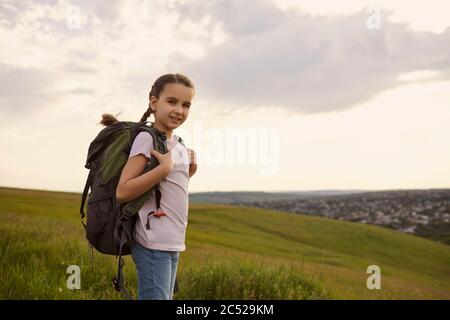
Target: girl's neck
{"type": "Point", "coordinates": [162, 128]}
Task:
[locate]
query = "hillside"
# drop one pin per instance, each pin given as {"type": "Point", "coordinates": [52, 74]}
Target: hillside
{"type": "Point", "coordinates": [233, 252]}
{"type": "Point", "coordinates": [424, 212]}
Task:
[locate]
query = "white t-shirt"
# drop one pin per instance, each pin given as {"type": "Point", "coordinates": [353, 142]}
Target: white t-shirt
{"type": "Point", "coordinates": [166, 232]}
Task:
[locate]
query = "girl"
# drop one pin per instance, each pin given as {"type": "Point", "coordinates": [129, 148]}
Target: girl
{"type": "Point", "coordinates": [160, 237]}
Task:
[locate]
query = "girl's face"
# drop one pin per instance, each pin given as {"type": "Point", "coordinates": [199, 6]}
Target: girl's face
{"type": "Point", "coordinates": [172, 107]}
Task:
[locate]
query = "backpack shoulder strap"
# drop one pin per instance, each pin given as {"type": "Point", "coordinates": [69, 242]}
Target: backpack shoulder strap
{"type": "Point", "coordinates": [159, 137]}
{"type": "Point", "coordinates": [180, 140]}
{"type": "Point", "coordinates": [160, 144]}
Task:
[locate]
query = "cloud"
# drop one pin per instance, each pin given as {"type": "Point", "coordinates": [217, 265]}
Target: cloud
{"type": "Point", "coordinates": [305, 63]}
{"type": "Point", "coordinates": [431, 15]}
{"type": "Point", "coordinates": [24, 90]}
{"type": "Point", "coordinates": [240, 54]}
{"type": "Point", "coordinates": [119, 49]}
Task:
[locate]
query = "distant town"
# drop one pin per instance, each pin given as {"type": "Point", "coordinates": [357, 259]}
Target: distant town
{"type": "Point", "coordinates": [424, 213]}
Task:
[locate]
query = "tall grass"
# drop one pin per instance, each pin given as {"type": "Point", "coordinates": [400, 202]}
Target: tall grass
{"type": "Point", "coordinates": [245, 279]}
{"type": "Point", "coordinates": [232, 253]}
{"type": "Point", "coordinates": [36, 253]}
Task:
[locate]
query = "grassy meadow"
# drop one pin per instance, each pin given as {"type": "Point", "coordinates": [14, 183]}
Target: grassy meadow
{"type": "Point", "coordinates": [232, 252]}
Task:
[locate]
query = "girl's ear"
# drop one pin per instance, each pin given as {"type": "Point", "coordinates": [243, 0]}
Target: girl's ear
{"type": "Point", "coordinates": [151, 106]}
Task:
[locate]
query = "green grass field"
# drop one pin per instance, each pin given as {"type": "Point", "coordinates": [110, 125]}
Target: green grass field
{"type": "Point", "coordinates": [231, 253]}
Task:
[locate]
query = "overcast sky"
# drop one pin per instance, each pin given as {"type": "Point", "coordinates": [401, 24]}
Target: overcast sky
{"type": "Point", "coordinates": [290, 95]}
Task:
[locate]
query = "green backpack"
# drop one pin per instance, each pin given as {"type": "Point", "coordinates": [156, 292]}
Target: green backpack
{"type": "Point", "coordinates": [109, 225]}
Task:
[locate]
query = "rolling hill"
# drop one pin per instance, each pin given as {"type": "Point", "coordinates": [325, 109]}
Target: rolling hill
{"type": "Point", "coordinates": [233, 252]}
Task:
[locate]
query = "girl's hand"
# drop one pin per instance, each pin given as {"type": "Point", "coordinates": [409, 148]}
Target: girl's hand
{"type": "Point", "coordinates": [165, 160]}
{"type": "Point", "coordinates": [192, 162]}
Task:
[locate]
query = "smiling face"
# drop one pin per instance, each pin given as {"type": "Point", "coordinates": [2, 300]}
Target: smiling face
{"type": "Point", "coordinates": [172, 107]}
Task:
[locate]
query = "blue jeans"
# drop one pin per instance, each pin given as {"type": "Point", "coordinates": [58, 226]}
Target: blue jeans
{"type": "Point", "coordinates": [156, 271]}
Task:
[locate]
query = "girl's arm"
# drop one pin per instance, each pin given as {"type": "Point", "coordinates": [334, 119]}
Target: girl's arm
{"type": "Point", "coordinates": [133, 183]}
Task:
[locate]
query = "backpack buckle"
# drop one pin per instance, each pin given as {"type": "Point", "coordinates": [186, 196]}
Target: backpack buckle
{"type": "Point", "coordinates": [116, 284]}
